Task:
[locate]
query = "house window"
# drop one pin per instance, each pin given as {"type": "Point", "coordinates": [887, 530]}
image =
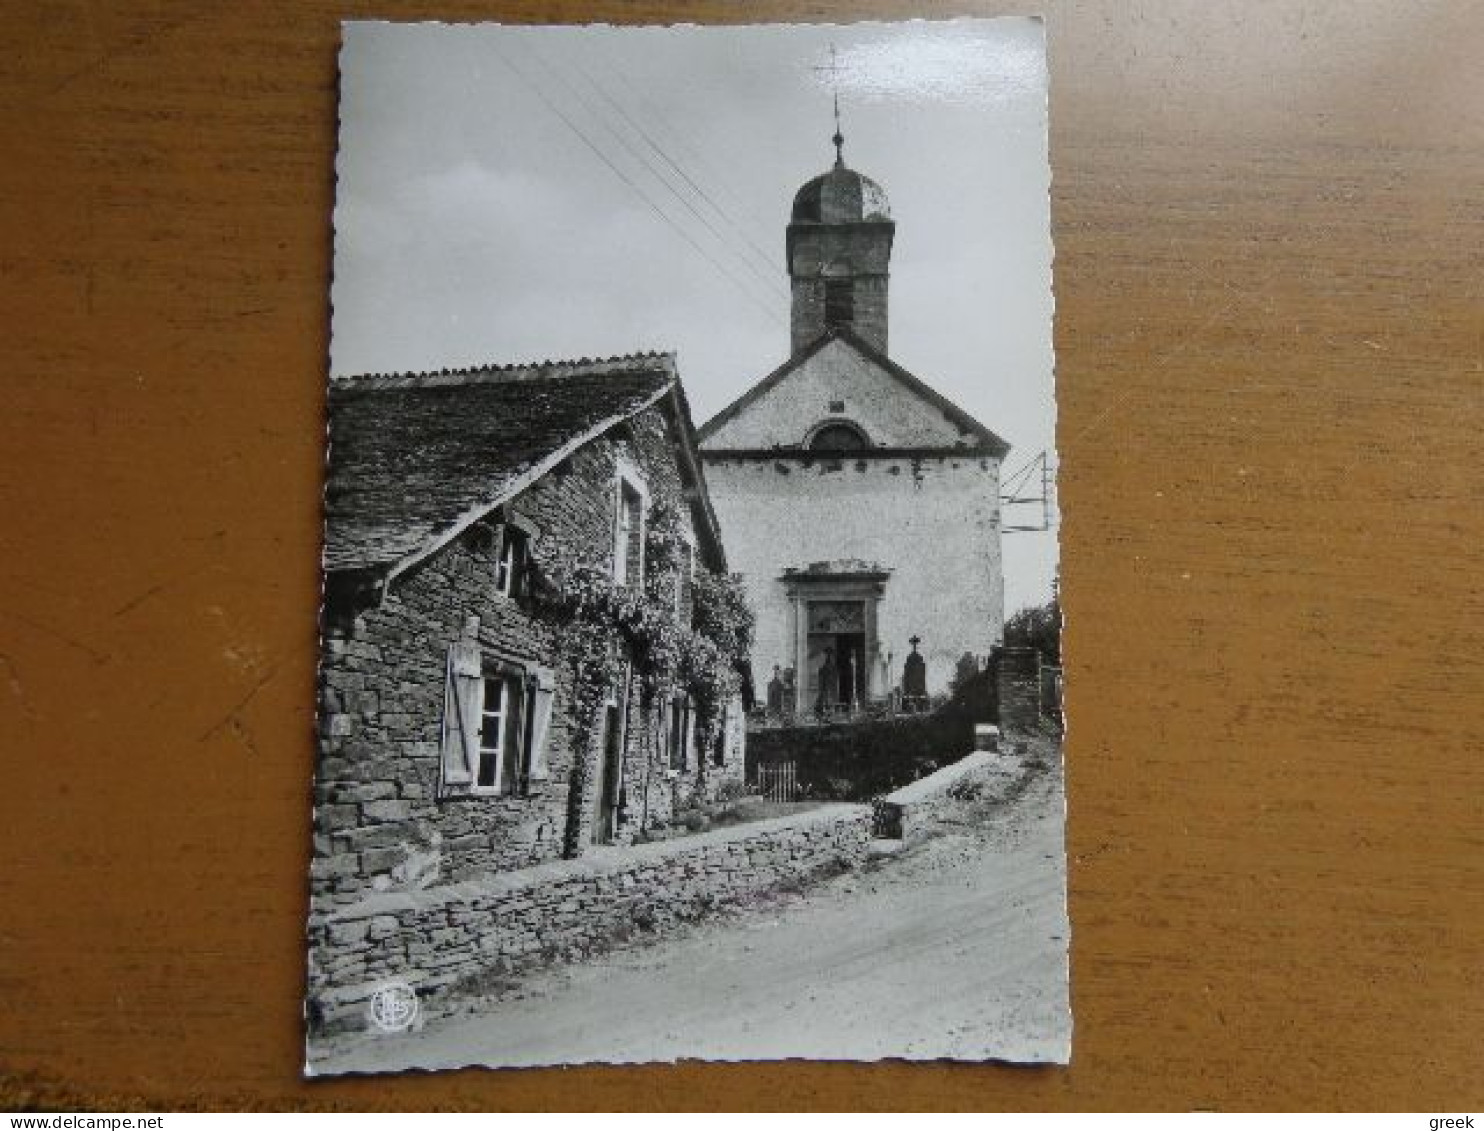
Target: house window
{"type": "Point", "coordinates": [510, 566]}
{"type": "Point", "coordinates": [839, 302]}
{"type": "Point", "coordinates": [499, 732]}
{"type": "Point", "coordinates": [496, 719]}
{"type": "Point", "coordinates": [628, 542]}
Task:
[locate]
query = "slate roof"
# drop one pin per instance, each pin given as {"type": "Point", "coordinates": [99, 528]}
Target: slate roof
{"type": "Point", "coordinates": [415, 458]}
{"type": "Point", "coordinates": [986, 440]}
{"type": "Point", "coordinates": [841, 196]}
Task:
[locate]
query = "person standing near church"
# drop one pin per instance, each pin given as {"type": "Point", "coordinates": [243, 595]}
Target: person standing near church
{"type": "Point", "coordinates": [829, 684]}
{"type": "Point", "coordinates": [775, 693]}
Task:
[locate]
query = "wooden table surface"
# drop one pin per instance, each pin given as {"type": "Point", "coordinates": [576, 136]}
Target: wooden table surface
{"type": "Point", "coordinates": [1269, 253]}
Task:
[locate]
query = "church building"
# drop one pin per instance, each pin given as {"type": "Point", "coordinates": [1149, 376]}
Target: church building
{"type": "Point", "coordinates": [860, 506]}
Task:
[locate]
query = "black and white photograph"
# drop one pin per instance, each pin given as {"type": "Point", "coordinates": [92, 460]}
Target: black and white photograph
{"type": "Point", "coordinates": [690, 682]}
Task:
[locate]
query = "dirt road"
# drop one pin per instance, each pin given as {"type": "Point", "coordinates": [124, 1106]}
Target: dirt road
{"type": "Point", "coordinates": [955, 948]}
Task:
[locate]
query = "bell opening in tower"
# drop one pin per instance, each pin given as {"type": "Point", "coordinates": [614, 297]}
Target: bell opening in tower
{"type": "Point", "coordinates": [839, 303]}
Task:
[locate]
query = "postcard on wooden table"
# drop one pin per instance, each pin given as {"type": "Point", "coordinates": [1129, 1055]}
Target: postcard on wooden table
{"type": "Point", "coordinates": [690, 675]}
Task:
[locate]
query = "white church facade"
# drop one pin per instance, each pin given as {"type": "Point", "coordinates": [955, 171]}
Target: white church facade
{"type": "Point", "coordinates": [860, 506]}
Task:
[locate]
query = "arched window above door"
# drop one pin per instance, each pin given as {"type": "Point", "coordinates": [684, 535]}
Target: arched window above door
{"type": "Point", "coordinates": [837, 436]}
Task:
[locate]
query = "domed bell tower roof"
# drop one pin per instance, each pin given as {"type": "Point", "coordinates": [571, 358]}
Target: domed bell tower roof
{"type": "Point", "coordinates": [841, 196]}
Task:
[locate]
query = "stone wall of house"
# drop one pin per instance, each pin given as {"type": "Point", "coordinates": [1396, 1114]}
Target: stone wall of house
{"type": "Point", "coordinates": [437, 939]}
{"type": "Point", "coordinates": [932, 522]}
{"type": "Point", "coordinates": [379, 822]}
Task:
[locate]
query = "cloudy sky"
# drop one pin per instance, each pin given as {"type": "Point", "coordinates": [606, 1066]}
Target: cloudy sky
{"type": "Point", "coordinates": [512, 194]}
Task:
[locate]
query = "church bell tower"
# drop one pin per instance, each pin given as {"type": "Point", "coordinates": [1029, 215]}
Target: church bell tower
{"type": "Point", "coordinates": [839, 250]}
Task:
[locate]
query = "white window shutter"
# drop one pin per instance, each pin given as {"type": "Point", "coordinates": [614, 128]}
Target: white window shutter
{"type": "Point", "coordinates": [497, 546]}
{"type": "Point", "coordinates": [690, 735]}
{"type": "Point", "coordinates": [462, 703]}
{"type": "Point", "coordinates": [620, 535]}
{"type": "Point", "coordinates": [636, 541]}
{"type": "Point", "coordinates": [672, 727]}
{"type": "Point", "coordinates": [538, 769]}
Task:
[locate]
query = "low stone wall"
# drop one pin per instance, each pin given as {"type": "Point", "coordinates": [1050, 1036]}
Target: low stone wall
{"type": "Point", "coordinates": [564, 910]}
{"type": "Point", "coordinates": [906, 812]}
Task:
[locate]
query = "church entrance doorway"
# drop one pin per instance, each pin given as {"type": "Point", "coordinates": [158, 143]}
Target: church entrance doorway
{"type": "Point", "coordinates": [833, 612]}
{"type": "Point", "coordinates": [837, 655]}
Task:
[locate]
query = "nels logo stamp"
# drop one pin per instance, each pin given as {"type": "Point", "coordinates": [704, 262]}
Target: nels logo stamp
{"type": "Point", "coordinates": [393, 1007]}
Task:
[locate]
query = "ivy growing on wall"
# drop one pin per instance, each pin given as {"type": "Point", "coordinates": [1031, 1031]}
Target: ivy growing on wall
{"type": "Point", "coordinates": [612, 627]}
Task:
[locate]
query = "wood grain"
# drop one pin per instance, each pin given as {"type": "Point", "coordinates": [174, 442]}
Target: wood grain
{"type": "Point", "coordinates": [1271, 379]}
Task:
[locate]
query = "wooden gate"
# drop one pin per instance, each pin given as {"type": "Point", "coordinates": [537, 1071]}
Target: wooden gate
{"type": "Point", "coordinates": [778, 781]}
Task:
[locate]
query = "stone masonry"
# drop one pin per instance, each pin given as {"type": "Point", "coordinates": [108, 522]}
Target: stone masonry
{"type": "Point", "coordinates": [378, 819]}
{"type": "Point", "coordinates": [906, 813]}
{"type": "Point", "coordinates": [1018, 679]}
{"type": "Point", "coordinates": [441, 938]}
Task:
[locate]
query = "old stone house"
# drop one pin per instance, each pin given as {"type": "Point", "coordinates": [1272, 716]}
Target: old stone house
{"type": "Point", "coordinates": [452, 736]}
{"type": "Point", "coordinates": [861, 506]}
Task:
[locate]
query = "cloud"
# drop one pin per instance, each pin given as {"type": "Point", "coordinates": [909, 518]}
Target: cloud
{"type": "Point", "coordinates": [946, 63]}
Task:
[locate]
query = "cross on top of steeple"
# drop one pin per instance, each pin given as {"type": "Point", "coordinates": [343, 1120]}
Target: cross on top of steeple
{"type": "Point", "coordinates": [839, 137]}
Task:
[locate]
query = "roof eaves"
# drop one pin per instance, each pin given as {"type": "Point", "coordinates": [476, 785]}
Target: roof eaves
{"type": "Point", "coordinates": [515, 371]}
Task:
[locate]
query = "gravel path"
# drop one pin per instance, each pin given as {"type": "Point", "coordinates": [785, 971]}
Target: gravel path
{"type": "Point", "coordinates": [955, 948]}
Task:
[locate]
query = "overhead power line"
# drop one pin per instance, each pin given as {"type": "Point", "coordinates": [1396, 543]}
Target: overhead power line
{"type": "Point", "coordinates": [768, 281]}
{"type": "Point", "coordinates": [618, 172]}
{"type": "Point", "coordinates": [721, 177]}
{"type": "Point", "coordinates": [759, 254]}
